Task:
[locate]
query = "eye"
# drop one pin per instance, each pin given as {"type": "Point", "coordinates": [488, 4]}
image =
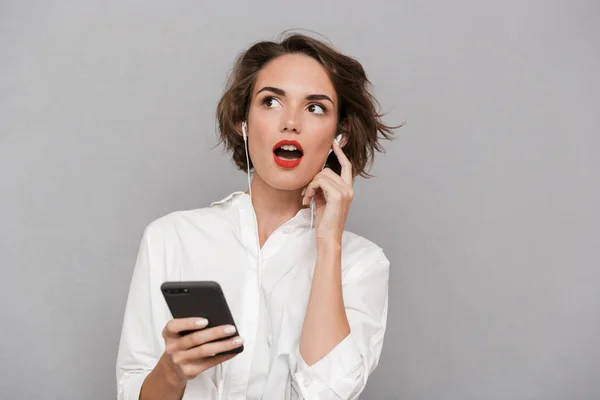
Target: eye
{"type": "Point", "coordinates": [317, 109]}
{"type": "Point", "coordinates": [271, 102]}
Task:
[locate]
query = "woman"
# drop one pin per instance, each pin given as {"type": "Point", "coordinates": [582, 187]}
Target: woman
{"type": "Point", "coordinates": [309, 298]}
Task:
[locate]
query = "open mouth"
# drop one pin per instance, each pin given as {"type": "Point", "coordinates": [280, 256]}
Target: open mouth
{"type": "Point", "coordinates": [287, 153]}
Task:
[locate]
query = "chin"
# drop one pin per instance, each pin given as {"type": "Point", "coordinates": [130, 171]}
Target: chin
{"type": "Point", "coordinates": [293, 179]}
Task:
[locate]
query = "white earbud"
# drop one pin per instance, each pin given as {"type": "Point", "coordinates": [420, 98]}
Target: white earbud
{"type": "Point", "coordinates": [244, 127]}
{"type": "Point", "coordinates": [337, 141]}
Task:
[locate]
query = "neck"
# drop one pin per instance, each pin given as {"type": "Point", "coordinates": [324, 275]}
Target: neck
{"type": "Point", "coordinates": [273, 207]}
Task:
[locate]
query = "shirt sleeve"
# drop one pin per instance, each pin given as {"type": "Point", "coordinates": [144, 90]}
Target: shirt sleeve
{"type": "Point", "coordinates": [343, 372]}
{"type": "Point", "coordinates": [138, 350]}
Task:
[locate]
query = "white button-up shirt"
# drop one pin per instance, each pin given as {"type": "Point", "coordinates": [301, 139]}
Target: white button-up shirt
{"type": "Point", "coordinates": [219, 243]}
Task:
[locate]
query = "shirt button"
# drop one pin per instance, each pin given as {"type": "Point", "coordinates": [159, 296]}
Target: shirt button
{"type": "Point", "coordinates": [306, 382]}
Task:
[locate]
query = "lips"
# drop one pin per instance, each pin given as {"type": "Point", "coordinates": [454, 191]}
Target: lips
{"type": "Point", "coordinates": [290, 160]}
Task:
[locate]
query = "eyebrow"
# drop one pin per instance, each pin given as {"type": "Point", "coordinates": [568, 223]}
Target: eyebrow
{"type": "Point", "coordinates": [281, 92]}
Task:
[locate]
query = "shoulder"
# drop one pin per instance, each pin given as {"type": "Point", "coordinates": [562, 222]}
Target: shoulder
{"type": "Point", "coordinates": [179, 222]}
{"type": "Point", "coordinates": [355, 247]}
{"type": "Point", "coordinates": [360, 255]}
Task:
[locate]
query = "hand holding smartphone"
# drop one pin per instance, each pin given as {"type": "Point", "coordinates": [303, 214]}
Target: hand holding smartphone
{"type": "Point", "coordinates": [202, 333]}
{"type": "Point", "coordinates": [200, 299]}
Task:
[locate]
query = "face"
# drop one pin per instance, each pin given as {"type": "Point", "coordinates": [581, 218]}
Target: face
{"type": "Point", "coordinates": [292, 121]}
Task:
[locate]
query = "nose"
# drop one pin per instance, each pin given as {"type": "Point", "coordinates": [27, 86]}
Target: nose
{"type": "Point", "coordinates": [290, 123]}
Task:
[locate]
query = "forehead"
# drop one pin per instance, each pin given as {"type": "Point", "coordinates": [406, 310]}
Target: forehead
{"type": "Point", "coordinates": [297, 75]}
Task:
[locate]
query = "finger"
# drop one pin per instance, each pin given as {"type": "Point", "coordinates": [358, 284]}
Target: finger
{"type": "Point", "coordinates": [319, 182]}
{"type": "Point", "coordinates": [333, 183]}
{"type": "Point", "coordinates": [347, 175]}
{"type": "Point", "coordinates": [328, 172]}
{"type": "Point", "coordinates": [346, 189]}
{"type": "Point", "coordinates": [213, 348]}
{"type": "Point", "coordinates": [327, 185]}
{"type": "Point", "coordinates": [204, 336]}
{"type": "Point", "coordinates": [177, 325]}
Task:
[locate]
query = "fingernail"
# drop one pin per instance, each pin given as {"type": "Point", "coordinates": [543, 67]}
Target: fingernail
{"type": "Point", "coordinates": [237, 341]}
{"type": "Point", "coordinates": [202, 322]}
{"type": "Point", "coordinates": [303, 191]}
{"type": "Point", "coordinates": [229, 329]}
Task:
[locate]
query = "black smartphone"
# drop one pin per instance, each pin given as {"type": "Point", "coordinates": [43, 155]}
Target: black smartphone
{"type": "Point", "coordinates": [203, 299]}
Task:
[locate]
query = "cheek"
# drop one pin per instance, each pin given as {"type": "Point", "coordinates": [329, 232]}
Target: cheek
{"type": "Point", "coordinates": [322, 135]}
{"type": "Point", "coordinates": [261, 139]}
{"type": "Point", "coordinates": [258, 128]}
{"type": "Point", "coordinates": [264, 124]}
{"type": "Point", "coordinates": [323, 123]}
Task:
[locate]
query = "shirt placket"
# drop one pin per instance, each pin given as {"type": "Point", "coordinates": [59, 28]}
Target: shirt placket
{"type": "Point", "coordinates": [239, 372]}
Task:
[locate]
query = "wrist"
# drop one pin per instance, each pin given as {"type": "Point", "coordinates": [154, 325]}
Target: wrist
{"type": "Point", "coordinates": [169, 375]}
{"type": "Point", "coordinates": [329, 247]}
{"type": "Point", "coordinates": [331, 242]}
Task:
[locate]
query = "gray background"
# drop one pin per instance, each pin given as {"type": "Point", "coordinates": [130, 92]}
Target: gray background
{"type": "Point", "coordinates": [486, 204]}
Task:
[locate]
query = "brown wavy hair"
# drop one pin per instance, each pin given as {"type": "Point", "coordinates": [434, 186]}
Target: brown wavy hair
{"type": "Point", "coordinates": [358, 115]}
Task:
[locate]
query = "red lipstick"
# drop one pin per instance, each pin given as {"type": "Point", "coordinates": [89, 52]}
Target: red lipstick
{"type": "Point", "coordinates": [284, 162]}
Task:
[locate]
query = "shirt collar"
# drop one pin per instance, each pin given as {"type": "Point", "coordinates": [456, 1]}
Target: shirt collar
{"type": "Point", "coordinates": [226, 199]}
{"type": "Point", "coordinates": [237, 197]}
